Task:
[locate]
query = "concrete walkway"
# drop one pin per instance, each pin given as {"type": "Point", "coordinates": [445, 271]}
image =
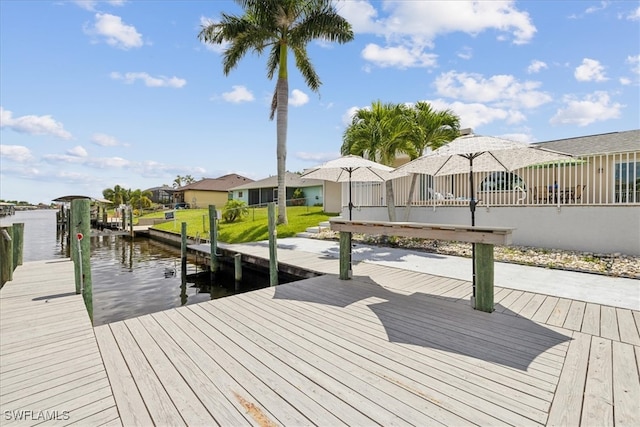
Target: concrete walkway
{"type": "Point", "coordinates": [595, 288]}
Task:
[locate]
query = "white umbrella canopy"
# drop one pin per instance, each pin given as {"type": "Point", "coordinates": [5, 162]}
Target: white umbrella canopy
{"type": "Point", "coordinates": [483, 153]}
{"type": "Point", "coordinates": [350, 169]}
{"type": "Point", "coordinates": [476, 153]}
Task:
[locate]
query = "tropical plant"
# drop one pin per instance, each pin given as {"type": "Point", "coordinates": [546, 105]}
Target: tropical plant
{"type": "Point", "coordinates": [379, 133]}
{"type": "Point", "coordinates": [140, 199]}
{"type": "Point", "coordinates": [117, 195]}
{"type": "Point", "coordinates": [234, 210]}
{"type": "Point", "coordinates": [278, 25]}
{"type": "Point", "coordinates": [297, 198]}
{"type": "Point", "coordinates": [431, 129]}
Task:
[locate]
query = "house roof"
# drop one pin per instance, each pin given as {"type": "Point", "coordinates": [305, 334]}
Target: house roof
{"type": "Point", "coordinates": [291, 180]}
{"type": "Point", "coordinates": [223, 183]}
{"type": "Point", "coordinates": [164, 187]}
{"type": "Point", "coordinates": [606, 143]}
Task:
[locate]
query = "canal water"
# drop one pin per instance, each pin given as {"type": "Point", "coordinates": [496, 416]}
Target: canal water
{"type": "Point", "coordinates": [131, 277]}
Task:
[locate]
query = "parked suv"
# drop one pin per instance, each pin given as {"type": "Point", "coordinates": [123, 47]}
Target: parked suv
{"type": "Point", "coordinates": [181, 206]}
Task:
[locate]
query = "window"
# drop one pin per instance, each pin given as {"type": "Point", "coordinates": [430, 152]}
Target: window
{"type": "Point", "coordinates": [501, 181]}
{"type": "Point", "coordinates": [627, 182]}
{"type": "Point", "coordinates": [239, 193]}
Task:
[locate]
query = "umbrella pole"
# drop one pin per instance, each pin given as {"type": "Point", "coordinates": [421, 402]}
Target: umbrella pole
{"type": "Point", "coordinates": [472, 206]}
{"type": "Point", "coordinates": [350, 204]}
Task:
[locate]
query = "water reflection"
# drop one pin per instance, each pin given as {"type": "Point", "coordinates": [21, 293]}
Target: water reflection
{"type": "Point", "coordinates": [134, 277]}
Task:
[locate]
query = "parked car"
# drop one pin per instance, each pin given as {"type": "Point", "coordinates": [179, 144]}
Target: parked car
{"type": "Point", "coordinates": [181, 206]}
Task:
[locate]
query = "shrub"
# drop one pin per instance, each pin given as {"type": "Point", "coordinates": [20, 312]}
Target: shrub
{"type": "Point", "coordinates": [234, 210]}
{"type": "Point", "coordinates": [298, 198]}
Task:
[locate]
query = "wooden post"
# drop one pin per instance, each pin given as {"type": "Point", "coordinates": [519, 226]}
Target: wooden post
{"type": "Point", "coordinates": [183, 248]}
{"type": "Point", "coordinates": [6, 255]}
{"type": "Point", "coordinates": [123, 215]}
{"type": "Point", "coordinates": [213, 238]}
{"type": "Point", "coordinates": [345, 255]}
{"type": "Point", "coordinates": [131, 222]}
{"type": "Point", "coordinates": [237, 262]}
{"type": "Point", "coordinates": [273, 253]}
{"type": "Point", "coordinates": [484, 277]}
{"type": "Point", "coordinates": [18, 243]}
{"type": "Point", "coordinates": [81, 227]}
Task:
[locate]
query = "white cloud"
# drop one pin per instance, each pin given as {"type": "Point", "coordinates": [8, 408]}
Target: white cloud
{"type": "Point", "coordinates": [316, 157]}
{"type": "Point", "coordinates": [149, 81]}
{"type": "Point", "coordinates": [398, 56]}
{"type": "Point", "coordinates": [33, 125]}
{"type": "Point", "coordinates": [63, 158]}
{"type": "Point", "coordinates": [116, 32]}
{"type": "Point", "coordinates": [635, 63]}
{"type": "Point", "coordinates": [108, 162]}
{"type": "Point", "coordinates": [624, 81]}
{"type": "Point", "coordinates": [634, 15]}
{"type": "Point", "coordinates": [465, 53]}
{"type": "Point", "coordinates": [238, 94]}
{"type": "Point", "coordinates": [411, 26]}
{"type": "Point", "coordinates": [91, 4]}
{"type": "Point", "coordinates": [590, 70]}
{"type": "Point", "coordinates": [499, 89]}
{"type": "Point", "coordinates": [105, 140]}
{"type": "Point", "coordinates": [348, 115]}
{"type": "Point", "coordinates": [592, 108]}
{"type": "Point", "coordinates": [77, 151]}
{"type": "Point", "coordinates": [475, 115]}
{"type": "Point", "coordinates": [536, 66]}
{"type": "Point", "coordinates": [593, 9]}
{"type": "Point", "coordinates": [298, 98]}
{"type": "Point", "coordinates": [217, 48]}
{"type": "Point", "coordinates": [17, 153]}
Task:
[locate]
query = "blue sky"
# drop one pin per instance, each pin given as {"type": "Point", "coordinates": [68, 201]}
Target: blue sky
{"type": "Point", "coordinates": [99, 93]}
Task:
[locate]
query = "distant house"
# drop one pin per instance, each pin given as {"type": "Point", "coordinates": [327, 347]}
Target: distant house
{"type": "Point", "coordinates": [162, 195]}
{"type": "Point", "coordinates": [209, 191]}
{"type": "Point", "coordinates": [264, 191]}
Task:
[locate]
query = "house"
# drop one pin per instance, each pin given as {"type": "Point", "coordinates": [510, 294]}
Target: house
{"type": "Point", "coordinates": [162, 195]}
{"type": "Point", "coordinates": [264, 191]}
{"type": "Point", "coordinates": [590, 203]}
{"type": "Point", "coordinates": [209, 191]}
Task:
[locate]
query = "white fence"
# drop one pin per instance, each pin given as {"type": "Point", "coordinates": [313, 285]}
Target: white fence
{"type": "Point", "coordinates": [612, 179]}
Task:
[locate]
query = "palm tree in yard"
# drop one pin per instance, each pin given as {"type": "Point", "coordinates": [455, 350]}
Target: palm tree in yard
{"type": "Point", "coordinates": [431, 129]}
{"type": "Point", "coordinates": [379, 133]}
{"type": "Point", "coordinates": [277, 26]}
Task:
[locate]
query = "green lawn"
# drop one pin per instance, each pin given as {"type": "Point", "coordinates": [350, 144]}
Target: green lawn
{"type": "Point", "coordinates": [252, 228]}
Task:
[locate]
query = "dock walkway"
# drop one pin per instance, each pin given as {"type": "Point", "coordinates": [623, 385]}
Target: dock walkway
{"type": "Point", "coordinates": [51, 370]}
{"type": "Point", "coordinates": [390, 347]}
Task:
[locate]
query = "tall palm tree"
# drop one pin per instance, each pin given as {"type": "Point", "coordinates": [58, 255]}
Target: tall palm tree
{"type": "Point", "coordinates": [379, 133]}
{"type": "Point", "coordinates": [431, 128]}
{"type": "Point", "coordinates": [278, 25]}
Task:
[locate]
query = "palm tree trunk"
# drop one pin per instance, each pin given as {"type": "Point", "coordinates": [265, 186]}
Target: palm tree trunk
{"type": "Point", "coordinates": [281, 152]}
{"type": "Point", "coordinates": [391, 205]}
{"type": "Point", "coordinates": [412, 188]}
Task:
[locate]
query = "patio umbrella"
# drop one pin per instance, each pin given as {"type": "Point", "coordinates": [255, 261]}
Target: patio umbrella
{"type": "Point", "coordinates": [478, 153]}
{"type": "Point", "coordinates": [350, 169]}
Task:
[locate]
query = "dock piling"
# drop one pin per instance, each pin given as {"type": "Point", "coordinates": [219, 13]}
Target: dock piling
{"type": "Point", "coordinates": [81, 243]}
{"type": "Point", "coordinates": [273, 252]}
{"type": "Point", "coordinates": [6, 255]}
{"type": "Point", "coordinates": [237, 262]}
{"type": "Point", "coordinates": [213, 238]}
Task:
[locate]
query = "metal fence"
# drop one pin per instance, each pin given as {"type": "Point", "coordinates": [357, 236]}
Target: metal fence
{"type": "Point", "coordinates": [607, 179]}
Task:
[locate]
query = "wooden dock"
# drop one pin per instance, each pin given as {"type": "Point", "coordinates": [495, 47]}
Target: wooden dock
{"type": "Point", "coordinates": [390, 347]}
{"type": "Point", "coordinates": [50, 365]}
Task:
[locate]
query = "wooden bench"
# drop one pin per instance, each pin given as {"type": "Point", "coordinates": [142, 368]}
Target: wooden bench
{"type": "Point", "coordinates": [483, 239]}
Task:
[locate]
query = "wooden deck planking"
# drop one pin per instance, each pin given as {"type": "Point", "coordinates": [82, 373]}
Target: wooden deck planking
{"type": "Point", "coordinates": [391, 347]}
{"type": "Point", "coordinates": [628, 331]}
{"type": "Point", "coordinates": [597, 407]}
{"type": "Point", "coordinates": [390, 369]}
{"type": "Point", "coordinates": [609, 323]}
{"type": "Point", "coordinates": [574, 317]}
{"type": "Point", "coordinates": [626, 385]}
{"type": "Point", "coordinates": [49, 357]}
{"type": "Point", "coordinates": [419, 351]}
{"type": "Point", "coordinates": [591, 321]}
